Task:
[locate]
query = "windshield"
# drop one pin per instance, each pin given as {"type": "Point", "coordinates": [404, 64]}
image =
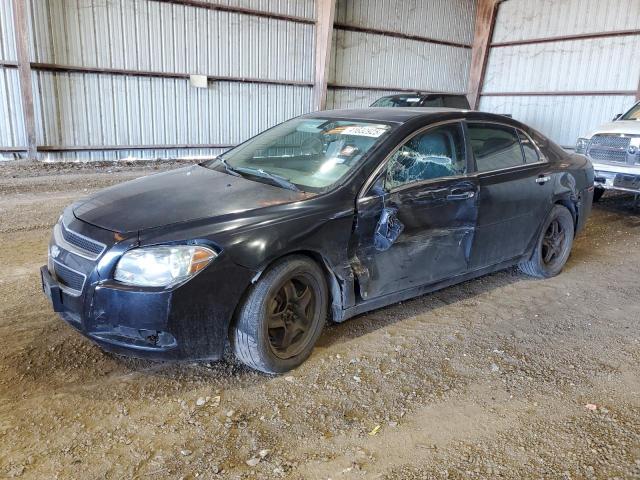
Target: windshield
{"type": "Point", "coordinates": [308, 154]}
{"type": "Point", "coordinates": [633, 114]}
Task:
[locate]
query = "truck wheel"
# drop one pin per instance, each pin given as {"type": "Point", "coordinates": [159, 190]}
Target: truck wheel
{"type": "Point", "coordinates": [597, 194]}
{"type": "Point", "coordinates": [553, 247]}
{"type": "Point", "coordinates": [283, 315]}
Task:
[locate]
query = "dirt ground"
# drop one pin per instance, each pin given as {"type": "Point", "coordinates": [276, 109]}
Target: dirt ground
{"type": "Point", "coordinates": [487, 379]}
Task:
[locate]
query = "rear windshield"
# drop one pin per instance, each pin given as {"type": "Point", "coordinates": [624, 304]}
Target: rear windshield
{"type": "Point", "coordinates": [398, 101]}
{"type": "Point", "coordinates": [422, 100]}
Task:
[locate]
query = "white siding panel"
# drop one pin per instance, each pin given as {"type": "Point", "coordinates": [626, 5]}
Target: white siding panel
{"type": "Point", "coordinates": [74, 109]}
{"type": "Point", "coordinates": [7, 32]}
{"type": "Point", "coordinates": [526, 19]}
{"type": "Point", "coordinates": [168, 37]}
{"type": "Point", "coordinates": [611, 63]}
{"type": "Point", "coordinates": [12, 132]}
{"type": "Point", "coordinates": [562, 118]}
{"type": "Point", "coordinates": [449, 20]}
{"type": "Point", "coordinates": [376, 60]}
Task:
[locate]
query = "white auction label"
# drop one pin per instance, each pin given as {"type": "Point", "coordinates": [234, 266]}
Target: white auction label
{"type": "Point", "coordinates": [374, 132]}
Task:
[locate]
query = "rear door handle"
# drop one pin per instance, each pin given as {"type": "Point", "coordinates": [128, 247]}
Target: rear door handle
{"type": "Point", "coordinates": [542, 179]}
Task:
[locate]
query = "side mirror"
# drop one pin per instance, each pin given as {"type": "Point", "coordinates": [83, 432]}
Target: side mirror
{"type": "Point", "coordinates": [617, 117]}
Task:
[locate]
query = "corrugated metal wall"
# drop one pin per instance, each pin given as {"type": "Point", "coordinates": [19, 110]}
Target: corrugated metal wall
{"type": "Point", "coordinates": [391, 62]}
{"type": "Point", "coordinates": [564, 71]}
{"type": "Point", "coordinates": [12, 132]}
{"type": "Point", "coordinates": [101, 109]}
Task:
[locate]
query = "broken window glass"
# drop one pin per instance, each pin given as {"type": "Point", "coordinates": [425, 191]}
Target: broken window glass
{"type": "Point", "coordinates": [436, 153]}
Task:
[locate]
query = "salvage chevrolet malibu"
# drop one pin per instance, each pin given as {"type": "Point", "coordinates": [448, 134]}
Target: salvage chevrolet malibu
{"type": "Point", "coordinates": [328, 215]}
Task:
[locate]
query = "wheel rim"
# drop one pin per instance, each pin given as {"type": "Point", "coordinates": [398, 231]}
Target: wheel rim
{"type": "Point", "coordinates": [290, 317]}
{"type": "Point", "coordinates": [553, 242]}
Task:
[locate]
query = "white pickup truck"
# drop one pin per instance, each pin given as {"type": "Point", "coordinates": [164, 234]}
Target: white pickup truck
{"type": "Point", "coordinates": [614, 150]}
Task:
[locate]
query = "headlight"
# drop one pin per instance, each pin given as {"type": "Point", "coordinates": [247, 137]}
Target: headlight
{"type": "Point", "coordinates": [162, 266]}
{"type": "Point", "coordinates": [581, 145]}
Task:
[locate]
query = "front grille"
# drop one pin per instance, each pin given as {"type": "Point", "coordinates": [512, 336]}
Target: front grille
{"type": "Point", "coordinates": [68, 277]}
{"type": "Point", "coordinates": [609, 148]}
{"type": "Point", "coordinates": [82, 242]}
{"type": "Point", "coordinates": [608, 156]}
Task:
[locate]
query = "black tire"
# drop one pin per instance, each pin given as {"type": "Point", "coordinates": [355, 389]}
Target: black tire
{"type": "Point", "coordinates": [554, 245]}
{"type": "Point", "coordinates": [278, 309]}
{"type": "Point", "coordinates": [597, 194]}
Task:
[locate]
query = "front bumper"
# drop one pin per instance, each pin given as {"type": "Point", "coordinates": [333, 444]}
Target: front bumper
{"type": "Point", "coordinates": [624, 178]}
{"type": "Point", "coordinates": [187, 322]}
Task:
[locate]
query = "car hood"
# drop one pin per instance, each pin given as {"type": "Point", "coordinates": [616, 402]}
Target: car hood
{"type": "Point", "coordinates": [182, 195]}
{"type": "Point", "coordinates": [628, 127]}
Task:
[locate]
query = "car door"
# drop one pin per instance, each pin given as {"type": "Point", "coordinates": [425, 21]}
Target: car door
{"type": "Point", "coordinates": [515, 192]}
{"type": "Point", "coordinates": [416, 221]}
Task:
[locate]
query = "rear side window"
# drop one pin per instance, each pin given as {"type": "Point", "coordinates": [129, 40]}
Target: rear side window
{"type": "Point", "coordinates": [530, 152]}
{"type": "Point", "coordinates": [495, 147]}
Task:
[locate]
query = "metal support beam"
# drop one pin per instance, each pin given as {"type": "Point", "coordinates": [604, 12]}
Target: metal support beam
{"type": "Point", "coordinates": [21, 28]}
{"type": "Point", "coordinates": [562, 93]}
{"type": "Point", "coordinates": [405, 36]}
{"type": "Point", "coordinates": [205, 4]}
{"type": "Point", "coordinates": [51, 67]}
{"type": "Point", "coordinates": [567, 38]}
{"type": "Point", "coordinates": [485, 21]}
{"type": "Point", "coordinates": [638, 93]}
{"type": "Point", "coordinates": [325, 15]}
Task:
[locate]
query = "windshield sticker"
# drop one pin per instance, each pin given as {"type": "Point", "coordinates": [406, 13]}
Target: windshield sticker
{"type": "Point", "coordinates": [373, 132]}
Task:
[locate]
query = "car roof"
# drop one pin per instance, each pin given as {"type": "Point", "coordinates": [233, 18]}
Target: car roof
{"type": "Point", "coordinates": [405, 114]}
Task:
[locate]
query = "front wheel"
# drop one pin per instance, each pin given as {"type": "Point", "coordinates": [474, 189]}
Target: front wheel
{"type": "Point", "coordinates": [280, 320]}
{"type": "Point", "coordinates": [554, 245]}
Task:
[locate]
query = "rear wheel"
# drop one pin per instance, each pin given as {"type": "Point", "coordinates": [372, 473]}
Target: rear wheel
{"type": "Point", "coordinates": [282, 317]}
{"type": "Point", "coordinates": [554, 245]}
{"type": "Point", "coordinates": [597, 194]}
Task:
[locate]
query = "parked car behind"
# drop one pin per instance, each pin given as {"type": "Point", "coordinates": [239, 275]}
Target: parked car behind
{"type": "Point", "coordinates": [614, 150]}
{"type": "Point", "coordinates": [330, 214]}
{"type": "Point", "coordinates": [424, 99]}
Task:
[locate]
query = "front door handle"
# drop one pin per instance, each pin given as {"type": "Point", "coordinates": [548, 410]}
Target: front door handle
{"type": "Point", "coordinates": [460, 194]}
{"type": "Point", "coordinates": [542, 179]}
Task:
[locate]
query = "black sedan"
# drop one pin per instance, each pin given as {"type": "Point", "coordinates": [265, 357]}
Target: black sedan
{"type": "Point", "coordinates": [328, 215]}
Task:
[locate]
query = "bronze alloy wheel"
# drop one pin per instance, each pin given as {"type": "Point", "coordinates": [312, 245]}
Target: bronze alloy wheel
{"type": "Point", "coordinates": [290, 316]}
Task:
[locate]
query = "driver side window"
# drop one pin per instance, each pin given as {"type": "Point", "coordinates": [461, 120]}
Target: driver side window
{"type": "Point", "coordinates": [435, 153]}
